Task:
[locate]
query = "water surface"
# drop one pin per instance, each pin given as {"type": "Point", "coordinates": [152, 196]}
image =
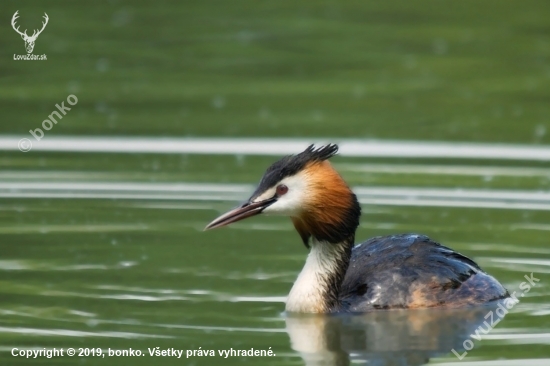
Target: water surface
{"type": "Point", "coordinates": [441, 109]}
{"type": "Point", "coordinates": [119, 260]}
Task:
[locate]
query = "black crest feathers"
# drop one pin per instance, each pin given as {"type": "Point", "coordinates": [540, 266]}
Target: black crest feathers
{"type": "Point", "coordinates": [292, 164]}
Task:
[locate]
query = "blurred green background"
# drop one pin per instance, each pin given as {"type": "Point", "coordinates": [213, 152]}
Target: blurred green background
{"type": "Point", "coordinates": [431, 70]}
{"type": "Point", "coordinates": [113, 271]}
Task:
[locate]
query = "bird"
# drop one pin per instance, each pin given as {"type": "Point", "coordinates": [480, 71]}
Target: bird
{"type": "Point", "coordinates": [402, 271]}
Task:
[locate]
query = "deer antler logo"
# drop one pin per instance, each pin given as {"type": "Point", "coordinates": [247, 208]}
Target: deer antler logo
{"type": "Point", "coordinates": [29, 41]}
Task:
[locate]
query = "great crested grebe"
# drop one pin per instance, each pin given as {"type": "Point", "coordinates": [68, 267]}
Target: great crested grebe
{"type": "Point", "coordinates": [396, 271]}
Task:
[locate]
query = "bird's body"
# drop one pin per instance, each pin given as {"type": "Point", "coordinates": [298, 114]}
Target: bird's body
{"type": "Point", "coordinates": [397, 271]}
{"type": "Point", "coordinates": [412, 271]}
{"type": "Point", "coordinates": [389, 272]}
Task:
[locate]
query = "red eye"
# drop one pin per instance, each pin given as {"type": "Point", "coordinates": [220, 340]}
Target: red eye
{"type": "Point", "coordinates": [281, 189]}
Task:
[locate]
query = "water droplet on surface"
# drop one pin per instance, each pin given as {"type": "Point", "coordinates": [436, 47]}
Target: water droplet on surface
{"type": "Point", "coordinates": [218, 102]}
{"type": "Point", "coordinates": [440, 46]}
{"type": "Point", "coordinates": [102, 65]}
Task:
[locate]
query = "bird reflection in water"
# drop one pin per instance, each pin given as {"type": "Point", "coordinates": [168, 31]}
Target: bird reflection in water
{"type": "Point", "coordinates": [396, 337]}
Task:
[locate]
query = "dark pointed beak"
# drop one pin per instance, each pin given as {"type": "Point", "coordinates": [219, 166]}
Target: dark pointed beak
{"type": "Point", "coordinates": [248, 209]}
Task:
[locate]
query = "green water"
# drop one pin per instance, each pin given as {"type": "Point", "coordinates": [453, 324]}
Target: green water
{"type": "Point", "coordinates": [138, 272]}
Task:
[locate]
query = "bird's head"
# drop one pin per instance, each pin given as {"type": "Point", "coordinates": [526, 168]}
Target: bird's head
{"type": "Point", "coordinates": [306, 188]}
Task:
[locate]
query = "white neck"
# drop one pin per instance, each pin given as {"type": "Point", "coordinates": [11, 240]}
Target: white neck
{"type": "Point", "coordinates": [314, 284]}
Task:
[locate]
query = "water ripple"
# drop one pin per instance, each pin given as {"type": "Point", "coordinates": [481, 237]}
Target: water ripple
{"type": "Point", "coordinates": [280, 146]}
{"type": "Point", "coordinates": [391, 196]}
{"type": "Point", "coordinates": [31, 265]}
{"type": "Point", "coordinates": [77, 333]}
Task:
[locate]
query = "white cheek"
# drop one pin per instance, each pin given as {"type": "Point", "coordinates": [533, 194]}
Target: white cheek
{"type": "Point", "coordinates": [290, 203]}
